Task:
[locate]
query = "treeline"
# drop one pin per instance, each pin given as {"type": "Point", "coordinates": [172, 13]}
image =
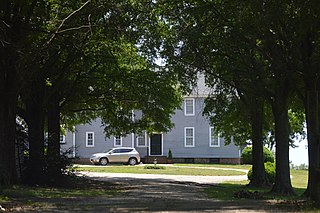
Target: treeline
{"type": "Point", "coordinates": [261, 61]}
{"type": "Point", "coordinates": [66, 62]}
{"type": "Point", "coordinates": [69, 62]}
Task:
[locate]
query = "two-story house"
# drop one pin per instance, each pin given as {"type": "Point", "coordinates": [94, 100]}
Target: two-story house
{"type": "Point", "coordinates": [191, 140]}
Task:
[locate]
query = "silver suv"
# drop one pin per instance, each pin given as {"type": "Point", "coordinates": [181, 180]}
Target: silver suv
{"type": "Point", "coordinates": [117, 155]}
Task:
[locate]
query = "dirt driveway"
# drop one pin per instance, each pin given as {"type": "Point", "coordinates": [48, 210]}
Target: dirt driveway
{"type": "Point", "coordinates": [160, 193]}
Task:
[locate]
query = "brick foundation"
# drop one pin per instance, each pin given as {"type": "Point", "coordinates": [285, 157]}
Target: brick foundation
{"type": "Point", "coordinates": [230, 160]}
{"type": "Point", "coordinates": [163, 159]}
{"type": "Point", "coordinates": [150, 159]}
{"type": "Point", "coordinates": [208, 160]}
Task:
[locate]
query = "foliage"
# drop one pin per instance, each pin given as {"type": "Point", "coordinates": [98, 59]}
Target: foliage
{"type": "Point", "coordinates": [154, 167]}
{"type": "Point", "coordinates": [246, 155]}
{"type": "Point", "coordinates": [255, 195]}
{"type": "Point", "coordinates": [299, 167]}
{"type": "Point", "coordinates": [270, 170]}
{"type": "Point", "coordinates": [169, 154]}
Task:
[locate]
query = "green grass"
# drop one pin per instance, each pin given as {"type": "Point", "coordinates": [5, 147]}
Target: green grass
{"type": "Point", "coordinates": [51, 192]}
{"type": "Point", "coordinates": [225, 191]}
{"type": "Point", "coordinates": [299, 179]}
{"type": "Point", "coordinates": [170, 170]}
{"type": "Point", "coordinates": [235, 166]}
{"type": "Point", "coordinates": [70, 189]}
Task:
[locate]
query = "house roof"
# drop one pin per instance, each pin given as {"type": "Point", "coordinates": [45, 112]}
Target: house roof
{"type": "Point", "coordinates": [200, 89]}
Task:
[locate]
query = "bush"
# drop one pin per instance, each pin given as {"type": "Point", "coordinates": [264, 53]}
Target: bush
{"type": "Point", "coordinates": [246, 155]}
{"type": "Point", "coordinates": [154, 167]}
{"type": "Point", "coordinates": [270, 169]}
{"type": "Point", "coordinates": [169, 154]}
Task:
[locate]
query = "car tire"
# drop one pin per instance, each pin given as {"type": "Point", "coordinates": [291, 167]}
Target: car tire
{"type": "Point", "coordinates": [103, 161]}
{"type": "Point", "coordinates": [132, 161]}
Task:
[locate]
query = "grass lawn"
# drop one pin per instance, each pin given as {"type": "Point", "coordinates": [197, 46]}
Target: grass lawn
{"type": "Point", "coordinates": [235, 166]}
{"type": "Point", "coordinates": [21, 197]}
{"type": "Point", "coordinates": [168, 170]}
{"type": "Point", "coordinates": [225, 191]}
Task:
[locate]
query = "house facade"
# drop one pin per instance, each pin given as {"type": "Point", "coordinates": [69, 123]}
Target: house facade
{"type": "Point", "coordinates": [192, 140]}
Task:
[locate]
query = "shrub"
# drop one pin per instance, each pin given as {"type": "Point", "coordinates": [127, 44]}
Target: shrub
{"type": "Point", "coordinates": [169, 154]}
{"type": "Point", "coordinates": [154, 167]}
{"type": "Point", "coordinates": [246, 155]}
{"type": "Point", "coordinates": [270, 169]}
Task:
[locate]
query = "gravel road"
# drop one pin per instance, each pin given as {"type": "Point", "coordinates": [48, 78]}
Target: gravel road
{"type": "Point", "coordinates": [172, 193]}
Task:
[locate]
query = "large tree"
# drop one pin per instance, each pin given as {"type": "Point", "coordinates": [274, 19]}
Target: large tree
{"type": "Point", "coordinates": [18, 21]}
{"type": "Point", "coordinates": [85, 57]}
{"type": "Point", "coordinates": [212, 38]}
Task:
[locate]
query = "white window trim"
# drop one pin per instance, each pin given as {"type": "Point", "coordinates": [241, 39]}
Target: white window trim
{"type": "Point", "coordinates": [87, 133]}
{"type": "Point", "coordinates": [63, 141]}
{"type": "Point", "coordinates": [114, 141]}
{"type": "Point", "coordinates": [185, 137]}
{"type": "Point", "coordinates": [145, 140]}
{"type": "Point", "coordinates": [210, 138]}
{"type": "Point", "coordinates": [193, 107]}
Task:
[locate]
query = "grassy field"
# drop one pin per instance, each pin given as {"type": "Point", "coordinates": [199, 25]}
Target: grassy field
{"type": "Point", "coordinates": [225, 191]}
{"type": "Point", "coordinates": [77, 190]}
{"type": "Point", "coordinates": [236, 166]}
{"type": "Point", "coordinates": [168, 170]}
{"type": "Point", "coordinates": [67, 193]}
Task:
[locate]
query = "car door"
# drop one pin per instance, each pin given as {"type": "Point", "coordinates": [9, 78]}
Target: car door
{"type": "Point", "coordinates": [125, 155]}
{"type": "Point", "coordinates": [115, 156]}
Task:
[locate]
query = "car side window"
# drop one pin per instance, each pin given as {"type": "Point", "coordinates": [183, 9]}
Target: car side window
{"type": "Point", "coordinates": [116, 151]}
{"type": "Point", "coordinates": [125, 150]}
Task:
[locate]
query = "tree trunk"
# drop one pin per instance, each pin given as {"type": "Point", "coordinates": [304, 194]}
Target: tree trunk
{"type": "Point", "coordinates": [311, 102]}
{"type": "Point", "coordinates": [258, 170]}
{"type": "Point", "coordinates": [280, 111]}
{"type": "Point", "coordinates": [313, 189]}
{"type": "Point", "coordinates": [35, 120]}
{"type": "Point", "coordinates": [8, 108]}
{"type": "Point", "coordinates": [54, 162]}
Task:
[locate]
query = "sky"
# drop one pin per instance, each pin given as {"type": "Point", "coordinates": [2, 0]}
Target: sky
{"type": "Point", "coordinates": [299, 155]}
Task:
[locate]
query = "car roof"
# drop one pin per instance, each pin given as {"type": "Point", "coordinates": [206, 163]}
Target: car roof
{"type": "Point", "coordinates": [123, 148]}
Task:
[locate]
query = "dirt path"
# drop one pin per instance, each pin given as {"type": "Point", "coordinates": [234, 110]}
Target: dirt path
{"type": "Point", "coordinates": [150, 193]}
{"type": "Point", "coordinates": [145, 193]}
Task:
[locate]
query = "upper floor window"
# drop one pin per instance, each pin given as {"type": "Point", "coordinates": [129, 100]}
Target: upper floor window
{"type": "Point", "coordinates": [189, 136]}
{"type": "Point", "coordinates": [189, 107]}
{"type": "Point", "coordinates": [62, 139]}
{"type": "Point", "coordinates": [118, 141]}
{"type": "Point", "coordinates": [142, 140]}
{"type": "Point", "coordinates": [214, 139]}
{"type": "Point", "coordinates": [89, 139]}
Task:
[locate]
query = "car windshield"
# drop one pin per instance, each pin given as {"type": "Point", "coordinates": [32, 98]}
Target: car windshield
{"type": "Point", "coordinates": [109, 150]}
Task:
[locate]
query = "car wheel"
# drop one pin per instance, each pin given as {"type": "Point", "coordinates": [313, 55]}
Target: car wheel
{"type": "Point", "coordinates": [132, 161]}
{"type": "Point", "coordinates": [103, 161]}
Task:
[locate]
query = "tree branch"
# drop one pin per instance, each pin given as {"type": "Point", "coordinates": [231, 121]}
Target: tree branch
{"type": "Point", "coordinates": [65, 19]}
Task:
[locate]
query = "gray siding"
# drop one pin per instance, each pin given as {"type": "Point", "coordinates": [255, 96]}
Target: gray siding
{"type": "Point", "coordinates": [173, 140]}
{"type": "Point", "coordinates": [101, 143]}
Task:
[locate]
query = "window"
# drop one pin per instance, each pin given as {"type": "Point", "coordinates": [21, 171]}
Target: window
{"type": "Point", "coordinates": [189, 136]}
{"type": "Point", "coordinates": [62, 139]}
{"type": "Point", "coordinates": [125, 150]}
{"type": "Point", "coordinates": [118, 141]}
{"type": "Point", "coordinates": [89, 139]}
{"type": "Point", "coordinates": [214, 139]}
{"type": "Point", "coordinates": [189, 107]}
{"type": "Point", "coordinates": [142, 140]}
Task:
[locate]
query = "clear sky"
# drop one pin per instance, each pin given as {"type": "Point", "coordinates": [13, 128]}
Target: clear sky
{"type": "Point", "coordinates": [299, 155]}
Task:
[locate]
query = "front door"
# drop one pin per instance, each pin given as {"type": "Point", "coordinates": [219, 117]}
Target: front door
{"type": "Point", "coordinates": [156, 144]}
